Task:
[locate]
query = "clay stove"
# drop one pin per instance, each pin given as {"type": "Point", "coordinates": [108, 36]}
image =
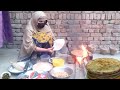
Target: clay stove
{"type": "Point", "coordinates": [82, 57]}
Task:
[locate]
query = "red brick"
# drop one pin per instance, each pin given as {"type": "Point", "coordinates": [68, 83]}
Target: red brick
{"type": "Point", "coordinates": [107, 38]}
{"type": "Point", "coordinates": [88, 21]}
{"type": "Point", "coordinates": [72, 16]}
{"type": "Point", "coordinates": [79, 38]}
{"type": "Point", "coordinates": [96, 30]}
{"type": "Point", "coordinates": [60, 16]}
{"type": "Point", "coordinates": [102, 30]}
{"type": "Point", "coordinates": [76, 22]}
{"type": "Point", "coordinates": [68, 16]}
{"type": "Point", "coordinates": [103, 16]}
{"type": "Point", "coordinates": [73, 38]}
{"type": "Point", "coordinates": [90, 38]}
{"type": "Point", "coordinates": [101, 38]}
{"type": "Point", "coordinates": [112, 38]}
{"type": "Point", "coordinates": [82, 22]}
{"type": "Point", "coordinates": [106, 34]}
{"type": "Point", "coordinates": [96, 34]}
{"type": "Point", "coordinates": [56, 30]}
{"type": "Point", "coordinates": [62, 34]}
{"type": "Point", "coordinates": [106, 42]}
{"type": "Point", "coordinates": [98, 16]}
{"type": "Point", "coordinates": [53, 22]}
{"type": "Point", "coordinates": [115, 31]}
{"type": "Point", "coordinates": [66, 26]}
{"type": "Point", "coordinates": [84, 38]}
{"type": "Point", "coordinates": [113, 16]}
{"type": "Point", "coordinates": [56, 16]}
{"type": "Point", "coordinates": [58, 22]}
{"type": "Point", "coordinates": [87, 16]}
{"type": "Point", "coordinates": [84, 34]}
{"type": "Point", "coordinates": [109, 16]}
{"type": "Point", "coordinates": [116, 21]}
{"type": "Point", "coordinates": [114, 42]}
{"type": "Point", "coordinates": [112, 21]}
{"type": "Point", "coordinates": [98, 12]}
{"type": "Point", "coordinates": [75, 11]}
{"type": "Point", "coordinates": [117, 16]}
{"type": "Point", "coordinates": [93, 22]}
{"type": "Point", "coordinates": [116, 34]}
{"type": "Point", "coordinates": [17, 16]}
{"type": "Point", "coordinates": [76, 16]}
{"type": "Point", "coordinates": [63, 30]}
{"type": "Point", "coordinates": [116, 26]}
{"type": "Point", "coordinates": [70, 22]}
{"type": "Point", "coordinates": [100, 22]}
{"type": "Point", "coordinates": [79, 17]}
{"type": "Point", "coordinates": [74, 27]}
{"type": "Point", "coordinates": [91, 16]}
{"type": "Point", "coordinates": [91, 30]}
{"type": "Point", "coordinates": [95, 42]}
{"type": "Point", "coordinates": [88, 11]}
{"type": "Point", "coordinates": [85, 30]}
{"type": "Point", "coordinates": [83, 16]}
{"type": "Point", "coordinates": [76, 30]}
{"type": "Point", "coordinates": [95, 26]}
{"type": "Point", "coordinates": [95, 16]}
{"type": "Point", "coordinates": [64, 16]}
{"type": "Point", "coordinates": [118, 42]}
{"type": "Point", "coordinates": [117, 38]}
{"type": "Point", "coordinates": [109, 30]}
{"type": "Point", "coordinates": [96, 38]}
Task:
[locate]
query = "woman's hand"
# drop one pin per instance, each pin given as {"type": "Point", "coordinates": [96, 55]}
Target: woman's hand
{"type": "Point", "coordinates": [50, 50]}
{"type": "Point", "coordinates": [44, 50]}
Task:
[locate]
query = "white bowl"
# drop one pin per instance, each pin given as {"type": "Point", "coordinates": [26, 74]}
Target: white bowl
{"type": "Point", "coordinates": [58, 44]}
{"type": "Point", "coordinates": [68, 70]}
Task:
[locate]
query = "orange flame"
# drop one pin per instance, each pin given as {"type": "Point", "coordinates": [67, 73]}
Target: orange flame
{"type": "Point", "coordinates": [84, 54]}
{"type": "Point", "coordinates": [79, 59]}
{"type": "Point", "coordinates": [85, 51]}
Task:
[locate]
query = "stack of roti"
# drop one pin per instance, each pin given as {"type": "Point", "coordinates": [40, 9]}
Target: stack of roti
{"type": "Point", "coordinates": [103, 68]}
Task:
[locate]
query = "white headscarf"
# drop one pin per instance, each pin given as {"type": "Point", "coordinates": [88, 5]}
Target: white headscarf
{"type": "Point", "coordinates": [32, 25]}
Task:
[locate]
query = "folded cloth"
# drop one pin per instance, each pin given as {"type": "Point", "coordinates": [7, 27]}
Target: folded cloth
{"type": "Point", "coordinates": [1, 30]}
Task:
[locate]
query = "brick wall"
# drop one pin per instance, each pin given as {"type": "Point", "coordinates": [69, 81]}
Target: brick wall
{"type": "Point", "coordinates": [97, 27]}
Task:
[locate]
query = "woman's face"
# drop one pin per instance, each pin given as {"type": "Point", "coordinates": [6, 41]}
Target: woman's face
{"type": "Point", "coordinates": [41, 23]}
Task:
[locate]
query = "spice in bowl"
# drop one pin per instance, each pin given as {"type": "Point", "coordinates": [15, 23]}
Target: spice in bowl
{"type": "Point", "coordinates": [61, 74]}
{"type": "Point", "coordinates": [5, 75]}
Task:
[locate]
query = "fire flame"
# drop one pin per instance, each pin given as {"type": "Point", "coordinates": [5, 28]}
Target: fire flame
{"type": "Point", "coordinates": [85, 51]}
{"type": "Point", "coordinates": [79, 59]}
{"type": "Point", "coordinates": [85, 54]}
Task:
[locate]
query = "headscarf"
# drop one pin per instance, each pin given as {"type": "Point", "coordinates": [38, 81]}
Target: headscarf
{"type": "Point", "coordinates": [28, 45]}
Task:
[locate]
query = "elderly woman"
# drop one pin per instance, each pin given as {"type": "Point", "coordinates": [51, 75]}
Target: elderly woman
{"type": "Point", "coordinates": [37, 39]}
